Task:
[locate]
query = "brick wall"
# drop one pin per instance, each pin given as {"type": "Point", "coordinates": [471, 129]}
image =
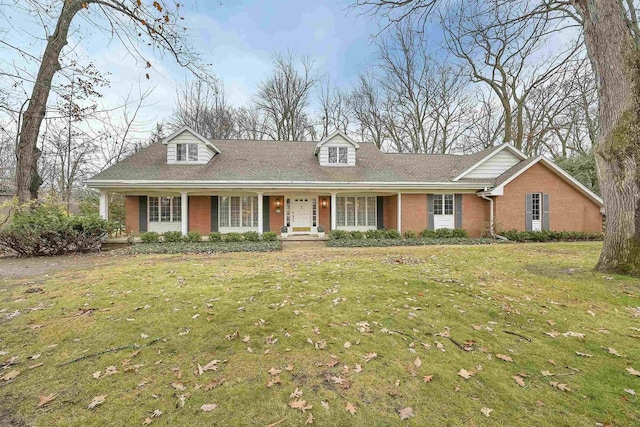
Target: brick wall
{"type": "Point", "coordinates": [276, 220]}
{"type": "Point", "coordinates": [475, 212]}
{"type": "Point", "coordinates": [390, 209]}
{"type": "Point", "coordinates": [569, 210]}
{"type": "Point", "coordinates": [132, 215]}
{"type": "Point", "coordinates": [324, 214]}
{"type": "Point", "coordinates": [414, 212]}
{"type": "Point", "coordinates": [200, 214]}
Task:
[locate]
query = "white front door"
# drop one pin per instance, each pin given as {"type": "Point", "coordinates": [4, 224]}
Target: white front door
{"type": "Point", "coordinates": [301, 214]}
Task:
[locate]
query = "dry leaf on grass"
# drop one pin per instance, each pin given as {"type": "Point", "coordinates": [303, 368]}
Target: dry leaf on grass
{"type": "Point", "coordinates": [406, 413]}
{"type": "Point", "coordinates": [209, 407]}
{"type": "Point", "coordinates": [547, 374]}
{"type": "Point", "coordinates": [466, 374]}
{"type": "Point", "coordinates": [427, 378]}
{"type": "Point", "coordinates": [178, 386]}
{"type": "Point", "coordinates": [325, 404]}
{"type": "Point", "coordinates": [357, 368]}
{"type": "Point", "coordinates": [350, 408]}
{"type": "Point", "coordinates": [309, 419]}
{"type": "Point", "coordinates": [561, 387]}
{"type": "Point", "coordinates": [584, 354]}
{"type": "Point", "coordinates": [296, 394]}
{"type": "Point", "coordinates": [417, 362]}
{"type": "Point", "coordinates": [504, 357]}
{"type": "Point", "coordinates": [273, 382]}
{"type": "Point", "coordinates": [632, 371]}
{"type": "Point", "coordinates": [613, 351]}
{"type": "Point", "coordinates": [486, 411]}
{"type": "Point", "coordinates": [273, 371]}
{"type": "Point", "coordinates": [370, 356]}
{"type": "Point", "coordinates": [211, 366]}
{"type": "Point", "coordinates": [519, 380]}
{"type": "Point", "coordinates": [300, 404]}
{"type": "Point", "coordinates": [98, 400]}
{"type": "Point", "coordinates": [46, 399]}
{"type": "Point", "coordinates": [11, 375]}
{"type": "Point", "coordinates": [147, 421]}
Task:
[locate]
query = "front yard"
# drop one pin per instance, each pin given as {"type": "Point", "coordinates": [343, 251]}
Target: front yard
{"type": "Point", "coordinates": [462, 335]}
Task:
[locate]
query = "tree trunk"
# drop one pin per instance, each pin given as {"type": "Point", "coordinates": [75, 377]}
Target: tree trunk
{"type": "Point", "coordinates": [616, 60]}
{"type": "Point", "coordinates": [28, 180]}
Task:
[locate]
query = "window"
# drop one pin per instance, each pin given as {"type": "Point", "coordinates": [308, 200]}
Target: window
{"type": "Point", "coordinates": [187, 152]}
{"type": "Point", "coordinates": [314, 211]}
{"type": "Point", "coordinates": [338, 155]}
{"type": "Point", "coordinates": [356, 212]}
{"type": "Point", "coordinates": [238, 212]}
{"type": "Point", "coordinates": [165, 209]}
{"type": "Point", "coordinates": [443, 204]}
{"type": "Point", "coordinates": [288, 210]}
{"type": "Point", "coordinates": [535, 206]}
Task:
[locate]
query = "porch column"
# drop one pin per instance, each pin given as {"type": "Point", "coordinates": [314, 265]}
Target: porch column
{"type": "Point", "coordinates": [334, 219]}
{"type": "Point", "coordinates": [400, 213]}
{"type": "Point", "coordinates": [104, 204]}
{"type": "Point", "coordinates": [184, 205]}
{"type": "Point", "coordinates": [260, 214]}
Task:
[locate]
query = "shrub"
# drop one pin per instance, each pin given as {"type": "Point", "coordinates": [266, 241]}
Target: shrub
{"type": "Point", "coordinates": [214, 236]}
{"type": "Point", "coordinates": [547, 236]}
{"type": "Point", "coordinates": [251, 236]}
{"type": "Point", "coordinates": [339, 235]}
{"type": "Point", "coordinates": [392, 234]}
{"type": "Point", "coordinates": [409, 234]}
{"type": "Point", "coordinates": [269, 236]}
{"type": "Point", "coordinates": [357, 235]}
{"type": "Point", "coordinates": [149, 237]}
{"type": "Point", "coordinates": [428, 234]}
{"type": "Point", "coordinates": [375, 234]}
{"type": "Point", "coordinates": [192, 237]}
{"type": "Point", "coordinates": [354, 243]}
{"type": "Point", "coordinates": [46, 229]}
{"type": "Point", "coordinates": [232, 237]}
{"type": "Point", "coordinates": [205, 247]}
{"type": "Point", "coordinates": [172, 236]}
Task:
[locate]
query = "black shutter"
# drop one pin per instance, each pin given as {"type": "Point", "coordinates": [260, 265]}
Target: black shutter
{"type": "Point", "coordinates": [214, 213]}
{"type": "Point", "coordinates": [430, 221]}
{"type": "Point", "coordinates": [528, 212]}
{"type": "Point", "coordinates": [266, 212]}
{"type": "Point", "coordinates": [142, 213]}
{"type": "Point", "coordinates": [380, 212]}
{"type": "Point", "coordinates": [545, 212]}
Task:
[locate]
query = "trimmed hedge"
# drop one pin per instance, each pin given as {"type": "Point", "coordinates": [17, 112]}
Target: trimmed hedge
{"type": "Point", "coordinates": [205, 247]}
{"type": "Point", "coordinates": [550, 236]}
{"type": "Point", "coordinates": [149, 237]}
{"type": "Point", "coordinates": [192, 237]}
{"type": "Point", "coordinates": [367, 243]}
{"type": "Point", "coordinates": [443, 233]}
{"type": "Point", "coordinates": [171, 236]}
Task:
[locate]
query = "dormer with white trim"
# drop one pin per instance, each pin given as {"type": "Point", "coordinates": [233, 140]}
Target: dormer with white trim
{"type": "Point", "coordinates": [336, 149]}
{"type": "Point", "coordinates": [494, 164]}
{"type": "Point", "coordinates": [187, 147]}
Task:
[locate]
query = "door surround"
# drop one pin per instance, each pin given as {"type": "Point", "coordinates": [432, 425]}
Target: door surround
{"type": "Point", "coordinates": [300, 213]}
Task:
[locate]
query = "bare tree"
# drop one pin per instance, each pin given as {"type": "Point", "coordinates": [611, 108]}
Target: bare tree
{"type": "Point", "coordinates": [487, 124]}
{"type": "Point", "coordinates": [203, 107]}
{"type": "Point", "coordinates": [367, 106]}
{"type": "Point", "coordinates": [252, 123]}
{"type": "Point", "coordinates": [284, 98]}
{"type": "Point", "coordinates": [334, 111]}
{"type": "Point", "coordinates": [135, 24]}
{"type": "Point", "coordinates": [612, 37]}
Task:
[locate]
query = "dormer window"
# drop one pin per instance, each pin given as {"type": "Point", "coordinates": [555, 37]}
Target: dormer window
{"type": "Point", "coordinates": [187, 152]}
{"type": "Point", "coordinates": [338, 155]}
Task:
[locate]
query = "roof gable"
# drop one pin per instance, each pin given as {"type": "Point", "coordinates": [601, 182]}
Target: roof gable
{"type": "Point", "coordinates": [198, 136]}
{"type": "Point", "coordinates": [336, 136]}
{"type": "Point", "coordinates": [495, 163]}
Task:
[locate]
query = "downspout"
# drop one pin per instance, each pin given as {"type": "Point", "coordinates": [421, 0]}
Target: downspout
{"type": "Point", "coordinates": [491, 231]}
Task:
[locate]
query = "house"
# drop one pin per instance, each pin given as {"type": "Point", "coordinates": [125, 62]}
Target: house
{"type": "Point", "coordinates": [188, 183]}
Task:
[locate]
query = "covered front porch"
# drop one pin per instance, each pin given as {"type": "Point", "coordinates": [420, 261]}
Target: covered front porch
{"type": "Point", "coordinates": [291, 213]}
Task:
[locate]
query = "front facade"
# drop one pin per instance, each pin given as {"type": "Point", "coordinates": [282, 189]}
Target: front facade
{"type": "Point", "coordinates": [187, 183]}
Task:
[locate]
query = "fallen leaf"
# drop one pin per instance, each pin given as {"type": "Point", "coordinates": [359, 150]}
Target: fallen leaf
{"type": "Point", "coordinates": [96, 374]}
{"type": "Point", "coordinates": [46, 399]}
{"type": "Point", "coordinates": [547, 374]}
{"type": "Point", "coordinates": [325, 404]}
{"type": "Point", "coordinates": [11, 375]}
{"type": "Point", "coordinates": [357, 368]}
{"type": "Point", "coordinates": [209, 407]}
{"type": "Point", "coordinates": [427, 378]}
{"type": "Point", "coordinates": [309, 419]}
{"type": "Point", "coordinates": [539, 403]}
{"type": "Point", "coordinates": [350, 408]}
{"type": "Point", "coordinates": [486, 411]}
{"type": "Point", "coordinates": [98, 400]}
{"type": "Point", "coordinates": [296, 394]}
{"type": "Point", "coordinates": [632, 371]}
{"type": "Point", "coordinates": [551, 322]}
{"type": "Point", "coordinates": [519, 380]}
{"type": "Point", "coordinates": [110, 370]}
{"type": "Point", "coordinates": [613, 351]}
{"type": "Point", "coordinates": [561, 387]}
{"type": "Point", "coordinates": [417, 362]}
{"type": "Point", "coordinates": [466, 374]}
{"type": "Point", "coordinates": [178, 386]}
{"type": "Point", "coordinates": [406, 413]}
{"type": "Point", "coordinates": [300, 404]}
{"type": "Point", "coordinates": [630, 391]}
{"type": "Point", "coordinates": [573, 334]}
{"type": "Point", "coordinates": [584, 354]}
{"type": "Point", "coordinates": [347, 344]}
{"type": "Point", "coordinates": [273, 382]}
{"type": "Point", "coordinates": [147, 421]}
{"type": "Point", "coordinates": [504, 357]}
{"type": "Point", "coordinates": [370, 356]}
{"type": "Point", "coordinates": [273, 371]}
{"type": "Point", "coordinates": [213, 384]}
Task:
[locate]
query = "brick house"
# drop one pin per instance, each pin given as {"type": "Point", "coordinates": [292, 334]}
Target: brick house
{"type": "Point", "coordinates": [188, 183]}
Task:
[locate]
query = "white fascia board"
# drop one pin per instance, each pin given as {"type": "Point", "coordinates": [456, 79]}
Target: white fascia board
{"type": "Point", "coordinates": [331, 136]}
{"type": "Point", "coordinates": [123, 184]}
{"type": "Point", "coordinates": [204, 140]}
{"type": "Point", "coordinates": [506, 146]}
{"type": "Point", "coordinates": [499, 190]}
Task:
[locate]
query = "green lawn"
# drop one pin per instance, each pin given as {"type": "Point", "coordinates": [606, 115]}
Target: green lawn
{"type": "Point", "coordinates": [317, 316]}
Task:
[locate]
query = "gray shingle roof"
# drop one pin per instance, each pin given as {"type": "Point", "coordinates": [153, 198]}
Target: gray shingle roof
{"type": "Point", "coordinates": [247, 160]}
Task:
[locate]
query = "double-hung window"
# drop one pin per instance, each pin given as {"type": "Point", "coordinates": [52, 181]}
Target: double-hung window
{"type": "Point", "coordinates": [338, 155]}
{"type": "Point", "coordinates": [356, 212]}
{"type": "Point", "coordinates": [187, 152]}
{"type": "Point", "coordinates": [535, 207]}
{"type": "Point", "coordinates": [165, 209]}
{"type": "Point", "coordinates": [238, 212]}
{"type": "Point", "coordinates": [443, 204]}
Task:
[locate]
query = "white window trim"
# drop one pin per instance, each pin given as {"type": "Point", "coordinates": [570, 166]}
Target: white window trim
{"type": "Point", "coordinates": [313, 229]}
{"type": "Point", "coordinates": [188, 160]}
{"type": "Point", "coordinates": [172, 199]}
{"type": "Point", "coordinates": [366, 212]}
{"type": "Point", "coordinates": [453, 202]}
{"type": "Point", "coordinates": [242, 228]}
{"type": "Point", "coordinates": [337, 162]}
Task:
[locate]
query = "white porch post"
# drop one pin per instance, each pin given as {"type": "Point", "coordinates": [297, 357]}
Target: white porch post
{"type": "Point", "coordinates": [104, 204]}
{"type": "Point", "coordinates": [260, 214]}
{"type": "Point", "coordinates": [400, 212]}
{"type": "Point", "coordinates": [334, 209]}
{"type": "Point", "coordinates": [184, 205]}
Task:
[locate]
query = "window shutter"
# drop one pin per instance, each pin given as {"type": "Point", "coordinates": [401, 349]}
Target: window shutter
{"type": "Point", "coordinates": [545, 212]}
{"type": "Point", "coordinates": [142, 214]}
{"type": "Point", "coordinates": [458, 210]}
{"type": "Point", "coordinates": [380, 212]}
{"type": "Point", "coordinates": [528, 214]}
{"type": "Point", "coordinates": [214, 213]}
{"type": "Point", "coordinates": [430, 222]}
{"type": "Point", "coordinates": [266, 212]}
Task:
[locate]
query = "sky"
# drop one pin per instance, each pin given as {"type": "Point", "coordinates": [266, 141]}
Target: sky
{"type": "Point", "coordinates": [237, 37]}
